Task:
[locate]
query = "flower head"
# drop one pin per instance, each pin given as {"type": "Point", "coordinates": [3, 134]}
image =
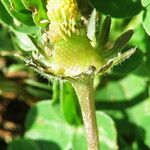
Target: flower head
{"type": "Point", "coordinates": [68, 53]}
{"type": "Point", "coordinates": [65, 19]}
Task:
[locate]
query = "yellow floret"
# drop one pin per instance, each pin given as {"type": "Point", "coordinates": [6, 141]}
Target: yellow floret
{"type": "Point", "coordinates": [64, 17]}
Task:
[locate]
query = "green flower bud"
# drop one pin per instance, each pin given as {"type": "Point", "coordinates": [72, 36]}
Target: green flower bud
{"type": "Point", "coordinates": [75, 56]}
{"type": "Point", "coordinates": [68, 52]}
{"type": "Point", "coordinates": [72, 51]}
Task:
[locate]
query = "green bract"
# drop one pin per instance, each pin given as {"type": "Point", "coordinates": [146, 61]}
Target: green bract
{"type": "Point", "coordinates": [71, 49]}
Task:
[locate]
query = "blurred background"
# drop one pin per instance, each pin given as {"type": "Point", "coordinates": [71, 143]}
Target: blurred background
{"type": "Point", "coordinates": [123, 93]}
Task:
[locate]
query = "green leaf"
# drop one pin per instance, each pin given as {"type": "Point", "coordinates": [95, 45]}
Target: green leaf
{"type": "Point", "coordinates": [18, 6]}
{"type": "Point", "coordinates": [139, 111]}
{"type": "Point", "coordinates": [107, 134]}
{"type": "Point", "coordinates": [104, 34]}
{"type": "Point", "coordinates": [117, 8]}
{"type": "Point", "coordinates": [79, 135]}
{"type": "Point", "coordinates": [45, 123]}
{"type": "Point", "coordinates": [123, 89]}
{"type": "Point", "coordinates": [5, 36]}
{"type": "Point", "coordinates": [21, 14]}
{"type": "Point", "coordinates": [4, 16]}
{"type": "Point", "coordinates": [23, 144]}
{"type": "Point", "coordinates": [107, 131]}
{"type": "Point", "coordinates": [56, 92]}
{"type": "Point", "coordinates": [122, 40]}
{"type": "Point", "coordinates": [8, 19]}
{"type": "Point", "coordinates": [146, 20]}
{"type": "Point", "coordinates": [84, 6]}
{"type": "Point", "coordinates": [38, 9]}
{"type": "Point", "coordinates": [31, 30]}
{"type": "Point", "coordinates": [140, 39]}
{"type": "Point", "coordinates": [39, 46]}
{"type": "Point", "coordinates": [145, 3]}
{"type": "Point", "coordinates": [119, 44]}
{"type": "Point", "coordinates": [145, 124]}
{"type": "Point", "coordinates": [69, 104]}
{"type": "Point", "coordinates": [23, 41]}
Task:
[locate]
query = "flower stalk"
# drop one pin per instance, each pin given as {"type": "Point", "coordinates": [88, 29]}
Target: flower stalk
{"type": "Point", "coordinates": [85, 92]}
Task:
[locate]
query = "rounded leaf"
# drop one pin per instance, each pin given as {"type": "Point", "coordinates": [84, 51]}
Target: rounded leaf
{"type": "Point", "coordinates": [107, 134]}
{"type": "Point", "coordinates": [117, 8]}
{"type": "Point", "coordinates": [122, 90]}
{"type": "Point", "coordinates": [18, 11]}
{"type": "Point", "coordinates": [23, 144]}
{"type": "Point", "coordinates": [44, 122]}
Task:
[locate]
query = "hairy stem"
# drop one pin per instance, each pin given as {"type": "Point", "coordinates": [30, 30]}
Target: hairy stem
{"type": "Point", "coordinates": [85, 93]}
